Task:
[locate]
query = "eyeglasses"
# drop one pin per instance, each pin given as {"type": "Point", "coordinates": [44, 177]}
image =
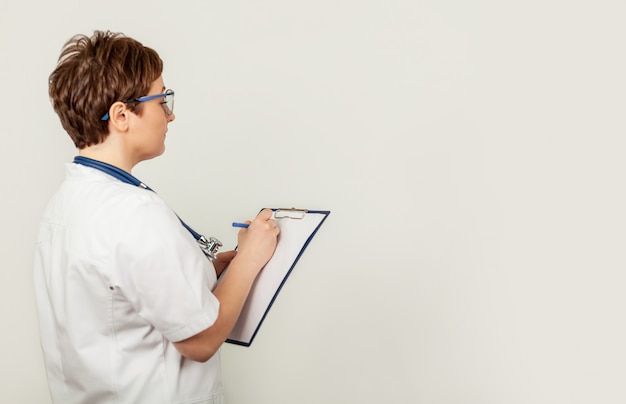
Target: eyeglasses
{"type": "Point", "coordinates": [167, 104]}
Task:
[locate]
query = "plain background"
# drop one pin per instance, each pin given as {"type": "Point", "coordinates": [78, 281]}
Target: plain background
{"type": "Point", "coordinates": [470, 153]}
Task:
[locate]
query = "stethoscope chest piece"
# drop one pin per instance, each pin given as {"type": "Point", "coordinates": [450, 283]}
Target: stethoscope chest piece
{"type": "Point", "coordinates": [209, 247]}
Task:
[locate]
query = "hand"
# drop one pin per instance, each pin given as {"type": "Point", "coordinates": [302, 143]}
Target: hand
{"type": "Point", "coordinates": [258, 242]}
{"type": "Point", "coordinates": [222, 260]}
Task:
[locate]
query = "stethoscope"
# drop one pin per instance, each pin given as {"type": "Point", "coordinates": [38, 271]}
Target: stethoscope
{"type": "Point", "coordinates": [209, 247]}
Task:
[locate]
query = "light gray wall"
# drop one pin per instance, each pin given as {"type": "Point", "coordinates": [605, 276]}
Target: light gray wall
{"type": "Point", "coordinates": [470, 152]}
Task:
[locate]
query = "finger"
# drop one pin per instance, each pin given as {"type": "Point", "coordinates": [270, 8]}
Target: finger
{"type": "Point", "coordinates": [226, 256]}
{"type": "Point", "coordinates": [265, 214]}
{"type": "Point", "coordinates": [273, 225]}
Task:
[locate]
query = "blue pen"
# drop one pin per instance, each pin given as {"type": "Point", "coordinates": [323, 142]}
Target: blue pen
{"type": "Point", "coordinates": [242, 225]}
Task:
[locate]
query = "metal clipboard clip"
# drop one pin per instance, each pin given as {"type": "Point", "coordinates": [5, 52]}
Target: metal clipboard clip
{"type": "Point", "coordinates": [290, 213]}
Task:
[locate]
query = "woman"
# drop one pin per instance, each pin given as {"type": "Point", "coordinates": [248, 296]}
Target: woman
{"type": "Point", "coordinates": [129, 306]}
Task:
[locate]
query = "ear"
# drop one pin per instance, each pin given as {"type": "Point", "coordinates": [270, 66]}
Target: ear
{"type": "Point", "coordinates": [119, 115]}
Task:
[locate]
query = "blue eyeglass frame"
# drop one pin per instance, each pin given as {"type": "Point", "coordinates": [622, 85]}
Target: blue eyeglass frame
{"type": "Point", "coordinates": [167, 93]}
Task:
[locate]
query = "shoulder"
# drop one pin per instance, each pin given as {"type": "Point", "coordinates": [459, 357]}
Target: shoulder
{"type": "Point", "coordinates": [91, 198]}
{"type": "Point", "coordinates": [99, 187]}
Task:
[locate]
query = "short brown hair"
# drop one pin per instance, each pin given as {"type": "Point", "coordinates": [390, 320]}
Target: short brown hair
{"type": "Point", "coordinates": [93, 73]}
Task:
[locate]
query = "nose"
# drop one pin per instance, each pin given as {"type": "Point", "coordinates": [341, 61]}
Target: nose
{"type": "Point", "coordinates": [170, 117]}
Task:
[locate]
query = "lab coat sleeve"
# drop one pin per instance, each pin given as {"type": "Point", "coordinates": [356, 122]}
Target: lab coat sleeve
{"type": "Point", "coordinates": [163, 273]}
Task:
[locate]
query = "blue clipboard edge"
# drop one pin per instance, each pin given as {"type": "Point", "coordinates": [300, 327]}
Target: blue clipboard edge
{"type": "Point", "coordinates": [306, 244]}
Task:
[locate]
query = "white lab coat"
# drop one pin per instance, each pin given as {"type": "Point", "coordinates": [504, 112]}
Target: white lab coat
{"type": "Point", "coordinates": [117, 279]}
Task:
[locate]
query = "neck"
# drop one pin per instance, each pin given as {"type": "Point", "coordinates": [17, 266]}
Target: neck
{"type": "Point", "coordinates": [108, 154]}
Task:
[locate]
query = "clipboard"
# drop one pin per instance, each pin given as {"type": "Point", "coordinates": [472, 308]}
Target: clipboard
{"type": "Point", "coordinates": [297, 229]}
